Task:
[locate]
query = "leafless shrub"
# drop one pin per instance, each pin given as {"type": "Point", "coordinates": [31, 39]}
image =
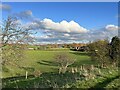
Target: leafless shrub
{"type": "Point", "coordinates": [64, 60]}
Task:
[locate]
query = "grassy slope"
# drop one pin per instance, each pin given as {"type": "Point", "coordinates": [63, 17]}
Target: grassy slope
{"type": "Point", "coordinates": [44, 61]}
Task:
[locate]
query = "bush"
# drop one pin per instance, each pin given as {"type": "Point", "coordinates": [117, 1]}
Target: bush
{"type": "Point", "coordinates": [99, 51]}
{"type": "Point", "coordinates": [105, 52]}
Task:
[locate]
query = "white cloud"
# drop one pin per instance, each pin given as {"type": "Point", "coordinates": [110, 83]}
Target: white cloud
{"type": "Point", "coordinates": [24, 14]}
{"type": "Point", "coordinates": [5, 7]}
{"type": "Point", "coordinates": [111, 27]}
{"type": "Point", "coordinates": [63, 26]}
{"type": "Point", "coordinates": [47, 25]}
{"type": "Point", "coordinates": [66, 34]}
{"type": "Point", "coordinates": [44, 37]}
{"type": "Point", "coordinates": [69, 31]}
{"type": "Point", "coordinates": [31, 25]}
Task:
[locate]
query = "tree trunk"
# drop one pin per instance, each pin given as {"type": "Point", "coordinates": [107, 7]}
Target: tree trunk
{"type": "Point", "coordinates": [64, 69]}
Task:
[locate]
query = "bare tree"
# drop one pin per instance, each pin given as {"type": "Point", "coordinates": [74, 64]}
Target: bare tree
{"type": "Point", "coordinates": [64, 60]}
{"type": "Point", "coordinates": [14, 38]}
{"type": "Point", "coordinates": [14, 32]}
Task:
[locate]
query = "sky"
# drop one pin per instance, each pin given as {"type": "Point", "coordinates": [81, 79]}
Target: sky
{"type": "Point", "coordinates": [66, 22]}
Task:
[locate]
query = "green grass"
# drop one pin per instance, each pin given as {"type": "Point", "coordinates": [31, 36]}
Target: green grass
{"type": "Point", "coordinates": [44, 61]}
{"type": "Point", "coordinates": [67, 80]}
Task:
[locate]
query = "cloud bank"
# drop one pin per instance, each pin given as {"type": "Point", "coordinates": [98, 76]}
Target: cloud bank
{"type": "Point", "coordinates": [63, 26]}
{"type": "Point", "coordinates": [69, 32]}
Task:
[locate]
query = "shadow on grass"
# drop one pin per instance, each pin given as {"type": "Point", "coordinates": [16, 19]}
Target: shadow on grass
{"type": "Point", "coordinates": [48, 63]}
{"type": "Point", "coordinates": [53, 80]}
{"type": "Point", "coordinates": [46, 80]}
{"type": "Point", "coordinates": [16, 78]}
{"type": "Point", "coordinates": [81, 53]}
{"type": "Point", "coordinates": [101, 85]}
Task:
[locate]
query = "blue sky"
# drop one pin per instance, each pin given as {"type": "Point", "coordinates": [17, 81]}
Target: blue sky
{"type": "Point", "coordinates": [93, 16]}
{"type": "Point", "coordinates": [90, 15]}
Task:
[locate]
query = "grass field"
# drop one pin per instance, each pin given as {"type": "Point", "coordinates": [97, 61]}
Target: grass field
{"type": "Point", "coordinates": [44, 61]}
{"type": "Point", "coordinates": [108, 79]}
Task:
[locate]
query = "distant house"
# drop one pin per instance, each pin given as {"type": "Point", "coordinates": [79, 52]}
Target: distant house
{"type": "Point", "coordinates": [76, 46]}
{"type": "Point", "coordinates": [31, 48]}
